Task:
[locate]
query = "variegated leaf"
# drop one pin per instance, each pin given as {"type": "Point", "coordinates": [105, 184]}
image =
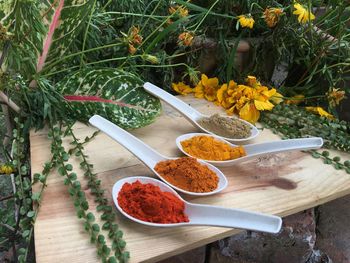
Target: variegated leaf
{"type": "Point", "coordinates": [24, 21]}
{"type": "Point", "coordinates": [72, 18]}
{"type": "Point", "coordinates": [113, 94]}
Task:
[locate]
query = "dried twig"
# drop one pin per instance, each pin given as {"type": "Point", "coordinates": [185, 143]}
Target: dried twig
{"type": "Point", "coordinates": [6, 197]}
{"type": "Point", "coordinates": [9, 102]}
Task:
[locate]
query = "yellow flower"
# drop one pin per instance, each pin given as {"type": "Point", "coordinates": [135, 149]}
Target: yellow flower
{"type": "Point", "coordinates": [207, 88]}
{"type": "Point", "coordinates": [335, 96]}
{"type": "Point", "coordinates": [277, 98]}
{"type": "Point", "coordinates": [249, 112]}
{"type": "Point", "coordinates": [272, 16]}
{"type": "Point", "coordinates": [182, 88]}
{"type": "Point", "coordinates": [320, 111]}
{"type": "Point", "coordinates": [246, 21]}
{"type": "Point", "coordinates": [150, 58]}
{"type": "Point", "coordinates": [182, 11]}
{"type": "Point", "coordinates": [263, 105]}
{"type": "Point", "coordinates": [132, 39]}
{"type": "Point", "coordinates": [252, 81]}
{"type": "Point", "coordinates": [132, 49]}
{"type": "Point", "coordinates": [304, 15]}
{"type": "Point", "coordinates": [223, 94]}
{"type": "Point", "coordinates": [6, 169]}
{"type": "Point", "coordinates": [185, 39]}
{"type": "Point", "coordinates": [297, 99]}
{"type": "Point", "coordinates": [134, 36]}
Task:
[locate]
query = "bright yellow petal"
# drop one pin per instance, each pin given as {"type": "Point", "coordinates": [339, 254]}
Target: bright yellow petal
{"type": "Point", "coordinates": [210, 97]}
{"type": "Point", "coordinates": [213, 82]}
{"type": "Point", "coordinates": [204, 79]}
{"type": "Point", "coordinates": [220, 93]}
{"type": "Point", "coordinates": [198, 91]}
{"type": "Point", "coordinates": [320, 111]}
{"type": "Point", "coordinates": [277, 98]}
{"type": "Point", "coordinates": [249, 113]}
{"type": "Point", "coordinates": [269, 93]}
{"type": "Point", "coordinates": [263, 105]}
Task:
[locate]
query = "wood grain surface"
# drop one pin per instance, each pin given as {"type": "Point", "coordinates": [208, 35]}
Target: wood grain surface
{"type": "Point", "coordinates": [280, 184]}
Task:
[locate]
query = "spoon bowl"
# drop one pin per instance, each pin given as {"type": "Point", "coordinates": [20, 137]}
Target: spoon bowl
{"type": "Point", "coordinates": [148, 155]}
{"type": "Point", "coordinates": [204, 214]}
{"type": "Point", "coordinates": [256, 150]}
{"type": "Point", "coordinates": [192, 115]}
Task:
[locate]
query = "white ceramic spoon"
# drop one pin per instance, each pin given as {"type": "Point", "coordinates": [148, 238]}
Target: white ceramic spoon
{"type": "Point", "coordinates": [146, 154]}
{"type": "Point", "coordinates": [256, 150]}
{"type": "Point", "coordinates": [190, 113]}
{"type": "Point", "coordinates": [205, 214]}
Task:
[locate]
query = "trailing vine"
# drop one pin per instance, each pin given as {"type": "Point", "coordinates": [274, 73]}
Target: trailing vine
{"type": "Point", "coordinates": [290, 121]}
{"type": "Point", "coordinates": [81, 204]}
{"type": "Point", "coordinates": [108, 214]}
{"type": "Point", "coordinates": [334, 161]}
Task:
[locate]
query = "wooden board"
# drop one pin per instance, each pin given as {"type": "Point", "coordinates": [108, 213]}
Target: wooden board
{"type": "Point", "coordinates": [280, 184]}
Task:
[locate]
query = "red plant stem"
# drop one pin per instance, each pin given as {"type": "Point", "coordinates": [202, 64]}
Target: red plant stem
{"type": "Point", "coordinates": [83, 98]}
{"type": "Point", "coordinates": [48, 39]}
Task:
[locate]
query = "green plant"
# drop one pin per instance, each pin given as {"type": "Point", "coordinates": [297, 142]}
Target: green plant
{"type": "Point", "coordinates": [292, 121]}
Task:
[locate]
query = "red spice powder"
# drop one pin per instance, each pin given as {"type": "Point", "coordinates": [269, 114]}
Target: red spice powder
{"type": "Point", "coordinates": [148, 203]}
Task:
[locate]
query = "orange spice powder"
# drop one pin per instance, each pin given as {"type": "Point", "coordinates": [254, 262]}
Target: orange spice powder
{"type": "Point", "coordinates": [188, 174]}
{"type": "Point", "coordinates": [209, 148]}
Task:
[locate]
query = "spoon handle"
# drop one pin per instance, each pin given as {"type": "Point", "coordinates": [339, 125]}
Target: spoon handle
{"type": "Point", "coordinates": [142, 151]}
{"type": "Point", "coordinates": [225, 217]}
{"type": "Point", "coordinates": [284, 145]}
{"type": "Point", "coordinates": [191, 114]}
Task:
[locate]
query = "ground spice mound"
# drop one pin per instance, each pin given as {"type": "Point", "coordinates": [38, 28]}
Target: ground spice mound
{"type": "Point", "coordinates": [209, 148]}
{"type": "Point", "coordinates": [148, 203]}
{"type": "Point", "coordinates": [188, 174]}
{"type": "Point", "coordinates": [228, 127]}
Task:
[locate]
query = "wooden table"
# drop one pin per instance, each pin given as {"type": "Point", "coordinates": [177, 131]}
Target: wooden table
{"type": "Point", "coordinates": [280, 184]}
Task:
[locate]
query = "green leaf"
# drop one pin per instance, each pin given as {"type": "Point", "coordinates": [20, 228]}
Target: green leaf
{"type": "Point", "coordinates": [106, 250]}
{"type": "Point", "coordinates": [73, 176]}
{"type": "Point", "coordinates": [36, 177]}
{"type": "Point", "coordinates": [85, 205]}
{"type": "Point", "coordinates": [80, 213]}
{"type": "Point", "coordinates": [77, 185]}
{"type": "Point", "coordinates": [25, 233]}
{"type": "Point", "coordinates": [66, 181]}
{"type": "Point", "coordinates": [325, 153]}
{"type": "Point", "coordinates": [22, 210]}
{"type": "Point", "coordinates": [30, 213]}
{"type": "Point", "coordinates": [21, 258]}
{"type": "Point", "coordinates": [65, 157]}
{"type": "Point", "coordinates": [42, 178]}
{"type": "Point", "coordinates": [72, 20]}
{"type": "Point", "coordinates": [90, 217]}
{"type": "Point", "coordinates": [86, 226]}
{"type": "Point", "coordinates": [121, 243]}
{"type": "Point", "coordinates": [36, 196]}
{"type": "Point", "coordinates": [112, 260]}
{"type": "Point", "coordinates": [106, 226]}
{"type": "Point", "coordinates": [22, 251]}
{"type": "Point", "coordinates": [125, 256]}
{"type": "Point", "coordinates": [336, 158]}
{"type": "Point", "coordinates": [61, 171]}
{"type": "Point", "coordinates": [101, 239]}
{"type": "Point", "coordinates": [96, 227]}
{"type": "Point", "coordinates": [113, 94]}
{"type": "Point", "coordinates": [69, 167]}
{"type": "Point", "coordinates": [71, 191]}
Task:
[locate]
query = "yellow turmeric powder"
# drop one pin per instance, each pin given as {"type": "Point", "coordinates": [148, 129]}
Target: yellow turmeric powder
{"type": "Point", "coordinates": [209, 148]}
